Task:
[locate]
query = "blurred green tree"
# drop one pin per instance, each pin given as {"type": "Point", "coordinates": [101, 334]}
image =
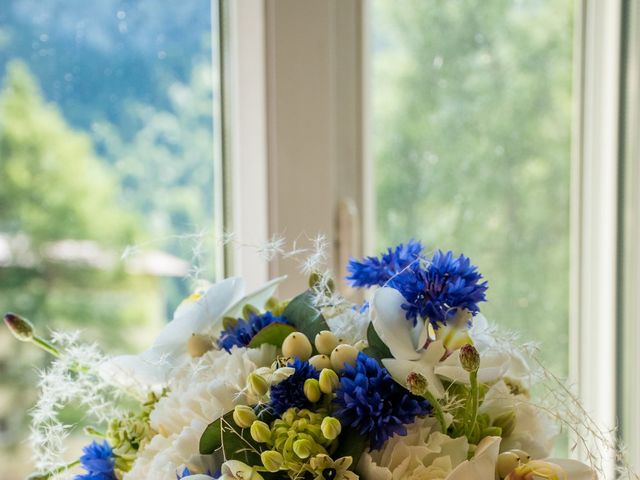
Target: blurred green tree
{"type": "Point", "coordinates": [472, 129]}
{"type": "Point", "coordinates": [61, 232]}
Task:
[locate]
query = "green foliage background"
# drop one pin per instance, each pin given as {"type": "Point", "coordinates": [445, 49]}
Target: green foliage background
{"type": "Point", "coordinates": [471, 132]}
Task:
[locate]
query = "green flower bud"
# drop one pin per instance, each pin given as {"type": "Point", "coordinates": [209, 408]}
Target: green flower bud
{"type": "Point", "coordinates": [325, 342]}
{"type": "Point", "coordinates": [20, 327]}
{"type": "Point", "coordinates": [331, 428]}
{"type": "Point", "coordinates": [297, 345]}
{"type": "Point", "coordinates": [258, 385]}
{"type": "Point", "coordinates": [469, 358]}
{"type": "Point", "coordinates": [244, 416]}
{"type": "Point", "coordinates": [506, 422]}
{"type": "Point", "coordinates": [417, 383]}
{"type": "Point", "coordinates": [260, 431]}
{"type": "Point", "coordinates": [302, 448]}
{"type": "Point", "coordinates": [312, 390]}
{"type": "Point", "coordinates": [329, 381]}
{"type": "Point", "coordinates": [320, 361]}
{"type": "Point", "coordinates": [272, 460]}
{"type": "Point", "coordinates": [247, 310]}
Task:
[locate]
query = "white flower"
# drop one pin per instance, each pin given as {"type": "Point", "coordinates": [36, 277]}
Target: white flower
{"type": "Point", "coordinates": [151, 369]}
{"type": "Point", "coordinates": [423, 451]}
{"type": "Point", "coordinates": [350, 325]}
{"type": "Point", "coordinates": [534, 430]}
{"type": "Point", "coordinates": [404, 341]}
{"type": "Point", "coordinates": [573, 469]}
{"type": "Point", "coordinates": [200, 392]}
{"type": "Point", "coordinates": [493, 366]}
{"type": "Point", "coordinates": [483, 464]}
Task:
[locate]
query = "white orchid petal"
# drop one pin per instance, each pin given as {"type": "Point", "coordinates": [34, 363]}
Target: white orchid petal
{"type": "Point", "coordinates": [493, 366]}
{"type": "Point", "coordinates": [196, 316]}
{"type": "Point", "coordinates": [483, 464]}
{"type": "Point", "coordinates": [257, 298]}
{"type": "Point", "coordinates": [435, 351]}
{"type": "Point", "coordinates": [575, 470]}
{"type": "Point", "coordinates": [399, 369]}
{"type": "Point", "coordinates": [391, 325]}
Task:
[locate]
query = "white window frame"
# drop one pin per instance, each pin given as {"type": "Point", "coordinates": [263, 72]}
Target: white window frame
{"type": "Point", "coordinates": [299, 115]}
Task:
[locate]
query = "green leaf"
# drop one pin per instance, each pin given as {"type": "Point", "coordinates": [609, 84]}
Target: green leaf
{"type": "Point", "coordinates": [377, 348]}
{"type": "Point", "coordinates": [211, 439]}
{"type": "Point", "coordinates": [237, 444]}
{"type": "Point", "coordinates": [304, 316]}
{"type": "Point", "coordinates": [351, 444]}
{"type": "Point", "coordinates": [273, 334]}
{"type": "Point", "coordinates": [234, 442]}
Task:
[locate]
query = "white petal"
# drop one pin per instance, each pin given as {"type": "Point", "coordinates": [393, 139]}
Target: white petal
{"type": "Point", "coordinates": [257, 298]}
{"type": "Point", "coordinates": [575, 470]}
{"type": "Point", "coordinates": [399, 369]}
{"type": "Point", "coordinates": [483, 464]}
{"type": "Point", "coordinates": [493, 366]}
{"type": "Point", "coordinates": [195, 316]}
{"type": "Point", "coordinates": [391, 325]}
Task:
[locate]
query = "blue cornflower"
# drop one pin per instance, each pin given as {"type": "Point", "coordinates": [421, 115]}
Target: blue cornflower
{"type": "Point", "coordinates": [372, 271]}
{"type": "Point", "coordinates": [240, 334]}
{"type": "Point", "coordinates": [438, 290]}
{"type": "Point", "coordinates": [370, 401]}
{"type": "Point", "coordinates": [290, 392]}
{"type": "Point", "coordinates": [98, 461]}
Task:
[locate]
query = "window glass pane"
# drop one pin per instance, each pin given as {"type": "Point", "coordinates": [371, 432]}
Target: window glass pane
{"type": "Point", "coordinates": [107, 148]}
{"type": "Point", "coordinates": [472, 105]}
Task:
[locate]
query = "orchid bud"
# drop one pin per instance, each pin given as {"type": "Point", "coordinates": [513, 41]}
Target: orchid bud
{"type": "Point", "coordinates": [20, 327]}
{"type": "Point", "coordinates": [343, 354]}
{"type": "Point", "coordinates": [302, 448]}
{"type": "Point", "coordinates": [312, 390]}
{"type": "Point", "coordinates": [329, 381]}
{"type": "Point", "coordinates": [330, 428]}
{"type": "Point", "coordinates": [469, 358]}
{"type": "Point", "coordinates": [320, 361]}
{"type": "Point", "coordinates": [244, 416]}
{"type": "Point", "coordinates": [417, 383]}
{"type": "Point", "coordinates": [272, 460]}
{"type": "Point", "coordinates": [297, 345]}
{"type": "Point", "coordinates": [325, 342]}
{"type": "Point", "coordinates": [257, 384]}
{"type": "Point", "coordinates": [260, 431]}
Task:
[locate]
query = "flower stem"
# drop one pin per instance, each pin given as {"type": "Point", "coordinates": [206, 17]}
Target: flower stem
{"type": "Point", "coordinates": [55, 471]}
{"type": "Point", "coordinates": [472, 410]}
{"type": "Point", "coordinates": [437, 410]}
{"type": "Point", "coordinates": [46, 346]}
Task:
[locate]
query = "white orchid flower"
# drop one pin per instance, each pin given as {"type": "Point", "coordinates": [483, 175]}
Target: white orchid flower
{"type": "Point", "coordinates": [151, 369]}
{"type": "Point", "coordinates": [198, 476]}
{"type": "Point", "coordinates": [493, 366]}
{"type": "Point", "coordinates": [405, 342]}
{"type": "Point", "coordinates": [483, 464]}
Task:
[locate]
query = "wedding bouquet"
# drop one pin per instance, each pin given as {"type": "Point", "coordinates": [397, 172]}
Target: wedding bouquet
{"type": "Point", "coordinates": [412, 383]}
